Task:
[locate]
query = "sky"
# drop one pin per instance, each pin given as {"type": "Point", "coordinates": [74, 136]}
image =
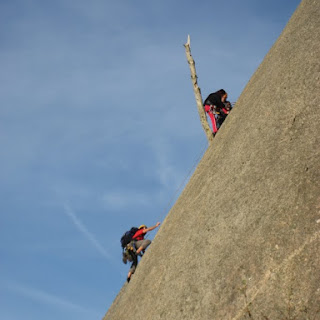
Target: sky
{"type": "Point", "coordinates": [99, 132]}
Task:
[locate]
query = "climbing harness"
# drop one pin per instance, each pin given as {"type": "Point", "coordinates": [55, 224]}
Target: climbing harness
{"type": "Point", "coordinates": [212, 111]}
{"type": "Point", "coordinates": [217, 116]}
{"type": "Point", "coordinates": [129, 252]}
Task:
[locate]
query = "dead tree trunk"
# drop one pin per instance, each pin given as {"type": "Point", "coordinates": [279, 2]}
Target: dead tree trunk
{"type": "Point", "coordinates": [197, 93]}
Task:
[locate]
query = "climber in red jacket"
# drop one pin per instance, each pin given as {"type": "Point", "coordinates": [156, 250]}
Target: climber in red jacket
{"type": "Point", "coordinates": [141, 244]}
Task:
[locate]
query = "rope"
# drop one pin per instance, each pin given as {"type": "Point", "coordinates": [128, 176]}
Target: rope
{"type": "Point", "coordinates": [178, 190]}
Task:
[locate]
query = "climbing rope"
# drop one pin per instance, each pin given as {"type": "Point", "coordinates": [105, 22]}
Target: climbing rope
{"type": "Point", "coordinates": [187, 176]}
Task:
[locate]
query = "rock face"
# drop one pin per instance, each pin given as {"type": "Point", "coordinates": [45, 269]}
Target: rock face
{"type": "Point", "coordinates": [243, 239]}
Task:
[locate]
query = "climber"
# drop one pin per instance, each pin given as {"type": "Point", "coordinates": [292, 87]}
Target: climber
{"type": "Point", "coordinates": [140, 244]}
{"type": "Point", "coordinates": [215, 106]}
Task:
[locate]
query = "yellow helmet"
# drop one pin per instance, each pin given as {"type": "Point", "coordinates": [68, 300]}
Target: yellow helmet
{"type": "Point", "coordinates": [142, 226]}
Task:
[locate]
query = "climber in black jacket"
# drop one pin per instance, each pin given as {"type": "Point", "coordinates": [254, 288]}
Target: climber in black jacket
{"type": "Point", "coordinates": [214, 105]}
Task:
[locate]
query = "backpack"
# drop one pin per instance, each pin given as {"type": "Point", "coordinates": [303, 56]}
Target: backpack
{"type": "Point", "coordinates": [127, 237]}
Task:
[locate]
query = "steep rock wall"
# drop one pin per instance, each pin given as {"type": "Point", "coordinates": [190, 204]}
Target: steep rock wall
{"type": "Point", "coordinates": [243, 239]}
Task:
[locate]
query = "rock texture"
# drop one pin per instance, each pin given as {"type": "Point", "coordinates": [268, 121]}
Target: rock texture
{"type": "Point", "coordinates": [243, 239]}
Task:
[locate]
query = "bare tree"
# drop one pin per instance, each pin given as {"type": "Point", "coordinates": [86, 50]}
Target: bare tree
{"type": "Point", "coordinates": [197, 93]}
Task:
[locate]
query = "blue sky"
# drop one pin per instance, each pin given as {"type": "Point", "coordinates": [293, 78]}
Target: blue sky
{"type": "Point", "coordinates": [99, 131]}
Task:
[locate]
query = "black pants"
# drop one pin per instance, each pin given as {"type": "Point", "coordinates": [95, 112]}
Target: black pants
{"type": "Point", "coordinates": [221, 118]}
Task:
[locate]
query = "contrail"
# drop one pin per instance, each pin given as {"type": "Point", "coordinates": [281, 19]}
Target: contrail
{"type": "Point", "coordinates": [44, 297]}
{"type": "Point", "coordinates": [85, 232]}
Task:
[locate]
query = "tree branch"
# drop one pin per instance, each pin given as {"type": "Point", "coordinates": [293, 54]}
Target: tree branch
{"type": "Point", "coordinates": [197, 93]}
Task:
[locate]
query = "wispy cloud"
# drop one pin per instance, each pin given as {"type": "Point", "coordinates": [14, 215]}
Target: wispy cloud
{"type": "Point", "coordinates": [45, 297]}
{"type": "Point", "coordinates": [81, 227]}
